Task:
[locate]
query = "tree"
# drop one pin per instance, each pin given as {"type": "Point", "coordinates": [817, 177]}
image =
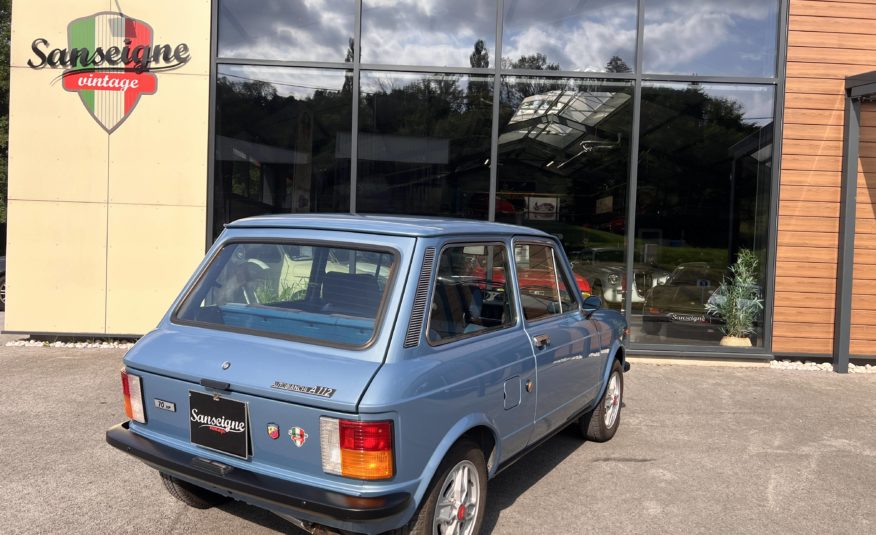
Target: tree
{"type": "Point", "coordinates": [617, 64]}
{"type": "Point", "coordinates": [480, 58]}
{"type": "Point", "coordinates": [351, 52]}
{"type": "Point", "coordinates": [533, 62]}
{"type": "Point", "coordinates": [5, 24]}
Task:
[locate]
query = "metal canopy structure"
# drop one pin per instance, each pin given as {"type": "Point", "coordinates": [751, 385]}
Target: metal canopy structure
{"type": "Point", "coordinates": [859, 88]}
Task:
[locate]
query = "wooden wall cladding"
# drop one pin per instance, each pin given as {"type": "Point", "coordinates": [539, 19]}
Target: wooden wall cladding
{"type": "Point", "coordinates": [827, 41]}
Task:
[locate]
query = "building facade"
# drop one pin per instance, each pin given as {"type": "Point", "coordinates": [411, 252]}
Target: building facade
{"type": "Point", "coordinates": [656, 139]}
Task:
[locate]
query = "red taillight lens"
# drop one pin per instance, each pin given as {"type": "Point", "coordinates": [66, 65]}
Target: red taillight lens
{"type": "Point", "coordinates": [365, 436]}
{"type": "Point", "coordinates": [361, 450]}
{"type": "Point", "coordinates": [133, 397]}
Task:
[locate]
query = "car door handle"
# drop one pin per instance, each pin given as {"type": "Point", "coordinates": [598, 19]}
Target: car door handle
{"type": "Point", "coordinates": [541, 340]}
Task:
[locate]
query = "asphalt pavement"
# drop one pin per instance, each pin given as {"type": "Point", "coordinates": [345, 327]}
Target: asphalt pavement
{"type": "Point", "coordinates": [699, 450]}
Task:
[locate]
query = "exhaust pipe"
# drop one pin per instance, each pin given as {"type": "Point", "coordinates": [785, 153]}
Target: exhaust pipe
{"type": "Point", "coordinates": [313, 529]}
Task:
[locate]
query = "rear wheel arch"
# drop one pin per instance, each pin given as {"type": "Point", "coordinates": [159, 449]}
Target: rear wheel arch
{"type": "Point", "coordinates": [475, 428]}
{"type": "Point", "coordinates": [483, 436]}
{"type": "Point", "coordinates": [620, 355]}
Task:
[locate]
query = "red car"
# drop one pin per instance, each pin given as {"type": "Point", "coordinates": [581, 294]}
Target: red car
{"type": "Point", "coordinates": [532, 280]}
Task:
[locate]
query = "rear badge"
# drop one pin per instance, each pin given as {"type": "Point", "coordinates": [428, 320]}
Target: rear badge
{"type": "Point", "coordinates": [298, 436]}
{"type": "Point", "coordinates": [274, 431]}
{"type": "Point", "coordinates": [321, 391]}
{"type": "Point", "coordinates": [165, 405]}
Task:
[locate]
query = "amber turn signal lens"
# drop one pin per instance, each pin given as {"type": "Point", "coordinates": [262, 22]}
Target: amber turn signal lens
{"type": "Point", "coordinates": [366, 464]}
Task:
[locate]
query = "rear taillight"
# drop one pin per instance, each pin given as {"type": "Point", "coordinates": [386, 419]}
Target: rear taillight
{"type": "Point", "coordinates": [361, 450]}
{"type": "Point", "coordinates": [133, 397]}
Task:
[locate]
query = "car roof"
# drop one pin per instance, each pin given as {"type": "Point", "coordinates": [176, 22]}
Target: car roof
{"type": "Point", "coordinates": [393, 225]}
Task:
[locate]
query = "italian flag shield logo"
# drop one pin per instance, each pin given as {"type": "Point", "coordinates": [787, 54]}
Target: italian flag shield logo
{"type": "Point", "coordinates": [298, 436]}
{"type": "Point", "coordinates": [110, 92]}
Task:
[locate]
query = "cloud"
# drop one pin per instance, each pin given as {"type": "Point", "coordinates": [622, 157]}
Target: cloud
{"type": "Point", "coordinates": [304, 30]}
{"type": "Point", "coordinates": [731, 37]}
{"type": "Point", "coordinates": [426, 32]}
{"type": "Point", "coordinates": [576, 35]}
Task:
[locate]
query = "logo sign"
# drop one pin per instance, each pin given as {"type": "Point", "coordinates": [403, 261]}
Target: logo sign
{"type": "Point", "coordinates": [298, 436]}
{"type": "Point", "coordinates": [273, 431]}
{"type": "Point", "coordinates": [110, 62]}
{"type": "Point", "coordinates": [219, 423]}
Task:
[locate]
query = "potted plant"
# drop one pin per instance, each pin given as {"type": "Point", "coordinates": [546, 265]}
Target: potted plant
{"type": "Point", "coordinates": [738, 301]}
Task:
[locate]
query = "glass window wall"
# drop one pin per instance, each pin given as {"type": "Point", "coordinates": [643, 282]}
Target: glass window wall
{"type": "Point", "coordinates": [282, 141]}
{"type": "Point", "coordinates": [570, 35]}
{"type": "Point", "coordinates": [726, 37]}
{"type": "Point", "coordinates": [564, 150]}
{"type": "Point", "coordinates": [444, 33]}
{"type": "Point", "coordinates": [703, 196]}
{"type": "Point", "coordinates": [294, 30]}
{"type": "Point", "coordinates": [424, 144]}
{"type": "Point", "coordinates": [531, 121]}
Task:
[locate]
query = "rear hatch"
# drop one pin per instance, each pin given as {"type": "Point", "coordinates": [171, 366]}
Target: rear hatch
{"type": "Point", "coordinates": [245, 398]}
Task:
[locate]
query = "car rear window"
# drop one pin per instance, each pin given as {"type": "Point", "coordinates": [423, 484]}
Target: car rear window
{"type": "Point", "coordinates": [321, 293]}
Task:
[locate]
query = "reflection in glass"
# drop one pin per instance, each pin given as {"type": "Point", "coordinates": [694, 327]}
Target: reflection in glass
{"type": "Point", "coordinates": [570, 35]}
{"type": "Point", "coordinates": [424, 144]}
{"type": "Point", "coordinates": [294, 30]}
{"type": "Point", "coordinates": [563, 166]}
{"type": "Point", "coordinates": [446, 33]}
{"type": "Point", "coordinates": [277, 149]}
{"type": "Point", "coordinates": [703, 194]}
{"type": "Point", "coordinates": [726, 37]}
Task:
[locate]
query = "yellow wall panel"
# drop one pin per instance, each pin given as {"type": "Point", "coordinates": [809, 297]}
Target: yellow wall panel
{"type": "Point", "coordinates": [47, 19]}
{"type": "Point", "coordinates": [156, 158]}
{"type": "Point", "coordinates": [153, 250]}
{"type": "Point", "coordinates": [56, 150]}
{"type": "Point", "coordinates": [56, 267]}
{"type": "Point", "coordinates": [113, 268]}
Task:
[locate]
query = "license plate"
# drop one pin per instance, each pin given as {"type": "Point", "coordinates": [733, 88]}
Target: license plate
{"type": "Point", "coordinates": [219, 423]}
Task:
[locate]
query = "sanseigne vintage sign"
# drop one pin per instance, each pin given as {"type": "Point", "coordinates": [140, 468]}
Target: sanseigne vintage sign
{"type": "Point", "coordinates": [110, 61]}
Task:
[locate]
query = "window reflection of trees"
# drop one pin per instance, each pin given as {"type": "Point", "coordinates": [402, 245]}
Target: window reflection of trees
{"type": "Point", "coordinates": [424, 143]}
{"type": "Point", "coordinates": [687, 143]}
{"type": "Point", "coordinates": [277, 140]}
{"type": "Point", "coordinates": [566, 140]}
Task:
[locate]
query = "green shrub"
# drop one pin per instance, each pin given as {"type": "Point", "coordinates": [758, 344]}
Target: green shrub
{"type": "Point", "coordinates": [738, 299]}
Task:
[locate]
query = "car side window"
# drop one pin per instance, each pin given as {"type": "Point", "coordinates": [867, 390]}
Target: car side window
{"type": "Point", "coordinates": [544, 288]}
{"type": "Point", "coordinates": [471, 293]}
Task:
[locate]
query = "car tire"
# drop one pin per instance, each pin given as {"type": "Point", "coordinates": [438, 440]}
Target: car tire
{"type": "Point", "coordinates": [652, 327]}
{"type": "Point", "coordinates": [3, 293]}
{"type": "Point", "coordinates": [192, 495]}
{"type": "Point", "coordinates": [463, 465]}
{"type": "Point", "coordinates": [600, 424]}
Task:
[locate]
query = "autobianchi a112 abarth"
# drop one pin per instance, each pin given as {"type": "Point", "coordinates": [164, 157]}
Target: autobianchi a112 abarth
{"type": "Point", "coordinates": [368, 374]}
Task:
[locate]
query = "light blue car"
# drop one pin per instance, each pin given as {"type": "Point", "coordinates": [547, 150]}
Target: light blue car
{"type": "Point", "coordinates": [369, 374]}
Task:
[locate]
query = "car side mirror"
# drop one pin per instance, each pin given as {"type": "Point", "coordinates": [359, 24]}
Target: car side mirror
{"type": "Point", "coordinates": [594, 302]}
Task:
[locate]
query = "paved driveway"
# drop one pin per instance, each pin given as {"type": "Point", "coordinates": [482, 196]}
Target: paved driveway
{"type": "Point", "coordinates": [700, 450]}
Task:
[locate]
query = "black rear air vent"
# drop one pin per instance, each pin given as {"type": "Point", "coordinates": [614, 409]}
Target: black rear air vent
{"type": "Point", "coordinates": [415, 326]}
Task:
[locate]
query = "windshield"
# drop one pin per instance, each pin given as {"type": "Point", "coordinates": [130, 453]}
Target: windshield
{"type": "Point", "coordinates": [325, 294]}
